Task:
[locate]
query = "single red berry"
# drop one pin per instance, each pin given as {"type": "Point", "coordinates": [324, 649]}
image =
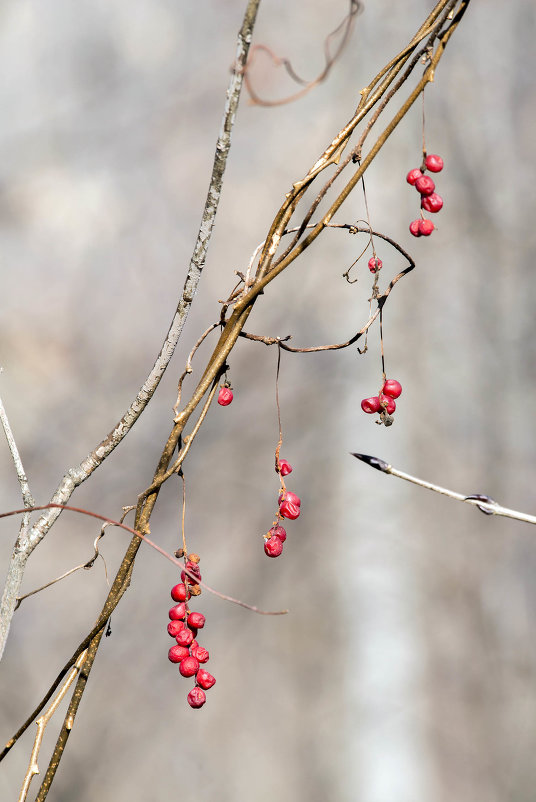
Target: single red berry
{"type": "Point", "coordinates": [179, 593]}
{"type": "Point", "coordinates": [225, 396]}
{"type": "Point", "coordinates": [189, 666]}
{"type": "Point", "coordinates": [204, 679]}
{"type": "Point", "coordinates": [278, 531]}
{"type": "Point", "coordinates": [177, 653]}
{"type": "Point", "coordinates": [288, 496]}
{"type": "Point", "coordinates": [392, 388]}
{"type": "Point", "coordinates": [199, 652]}
{"type": "Point", "coordinates": [178, 612]}
{"type": "Point", "coordinates": [370, 405]}
{"type": "Point", "coordinates": [390, 404]}
{"type": "Point", "coordinates": [432, 203]}
{"type": "Point", "coordinates": [413, 175]}
{"type": "Point", "coordinates": [184, 637]}
{"type": "Point", "coordinates": [284, 467]}
{"type": "Point", "coordinates": [374, 264]}
{"type": "Point", "coordinates": [434, 163]}
{"type": "Point", "coordinates": [414, 228]}
{"type": "Point", "coordinates": [174, 627]}
{"type": "Point", "coordinates": [426, 227]}
{"type": "Point", "coordinates": [196, 698]}
{"type": "Point", "coordinates": [424, 185]}
{"type": "Point", "coordinates": [196, 620]}
{"type": "Point", "coordinates": [287, 509]}
{"type": "Point", "coordinates": [273, 547]}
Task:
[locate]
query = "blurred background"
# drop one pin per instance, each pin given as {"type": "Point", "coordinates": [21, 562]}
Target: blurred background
{"type": "Point", "coordinates": [406, 669]}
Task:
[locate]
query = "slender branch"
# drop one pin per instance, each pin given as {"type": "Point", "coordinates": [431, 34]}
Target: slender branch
{"type": "Point", "coordinates": [484, 503]}
{"type": "Point", "coordinates": [14, 451]}
{"type": "Point", "coordinates": [75, 476]}
{"type": "Point", "coordinates": [42, 722]}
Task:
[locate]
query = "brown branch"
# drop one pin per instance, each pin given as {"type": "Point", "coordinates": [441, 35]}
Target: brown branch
{"type": "Point", "coordinates": [42, 722]}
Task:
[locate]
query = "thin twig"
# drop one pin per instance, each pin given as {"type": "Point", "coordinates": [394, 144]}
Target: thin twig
{"type": "Point", "coordinates": [42, 722]}
{"type": "Point", "coordinates": [484, 503]}
{"type": "Point", "coordinates": [88, 564]}
{"type": "Point", "coordinates": [355, 8]}
{"type": "Point", "coordinates": [188, 367]}
{"type": "Point", "coordinates": [14, 451]}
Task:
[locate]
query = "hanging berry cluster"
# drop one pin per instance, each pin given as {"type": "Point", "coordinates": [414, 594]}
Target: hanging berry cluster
{"type": "Point", "coordinates": [384, 403]}
{"type": "Point", "coordinates": [289, 507]}
{"type": "Point", "coordinates": [183, 626]}
{"type": "Point", "coordinates": [425, 186]}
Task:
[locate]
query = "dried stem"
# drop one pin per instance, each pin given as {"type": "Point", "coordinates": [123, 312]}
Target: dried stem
{"type": "Point", "coordinates": [484, 503]}
{"type": "Point", "coordinates": [42, 722]}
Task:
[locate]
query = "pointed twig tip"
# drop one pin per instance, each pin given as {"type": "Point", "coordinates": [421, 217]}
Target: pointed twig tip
{"type": "Point", "coordinates": [374, 462]}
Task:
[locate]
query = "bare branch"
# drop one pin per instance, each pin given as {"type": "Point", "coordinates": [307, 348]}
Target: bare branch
{"type": "Point", "coordinates": [484, 503]}
{"type": "Point", "coordinates": [42, 722]}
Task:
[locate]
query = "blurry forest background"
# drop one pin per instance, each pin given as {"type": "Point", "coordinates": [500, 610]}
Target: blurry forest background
{"type": "Point", "coordinates": [406, 669]}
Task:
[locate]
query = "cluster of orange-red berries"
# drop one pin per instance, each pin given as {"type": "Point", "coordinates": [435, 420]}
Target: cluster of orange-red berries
{"type": "Point", "coordinates": [385, 401]}
{"type": "Point", "coordinates": [289, 507]}
{"type": "Point", "coordinates": [425, 186]}
{"type": "Point", "coordinates": [183, 626]}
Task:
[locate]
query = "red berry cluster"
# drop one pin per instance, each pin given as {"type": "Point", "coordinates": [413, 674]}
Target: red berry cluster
{"type": "Point", "coordinates": [384, 403]}
{"type": "Point", "coordinates": [289, 507]}
{"type": "Point", "coordinates": [225, 395]}
{"type": "Point", "coordinates": [430, 200]}
{"type": "Point", "coordinates": [183, 626]}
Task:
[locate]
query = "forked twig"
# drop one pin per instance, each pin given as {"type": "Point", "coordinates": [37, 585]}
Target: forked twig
{"type": "Point", "coordinates": [42, 722]}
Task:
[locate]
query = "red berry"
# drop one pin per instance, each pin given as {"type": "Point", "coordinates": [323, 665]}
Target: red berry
{"type": "Point", "coordinates": [179, 593]}
{"type": "Point", "coordinates": [204, 679]}
{"type": "Point", "coordinates": [390, 403]}
{"type": "Point", "coordinates": [225, 396]}
{"type": "Point", "coordinates": [432, 203]}
{"type": "Point", "coordinates": [287, 509]}
{"type": "Point", "coordinates": [434, 163]}
{"type": "Point", "coordinates": [414, 228]}
{"type": "Point", "coordinates": [278, 531]}
{"type": "Point", "coordinates": [189, 666]}
{"type": "Point", "coordinates": [413, 175]}
{"type": "Point", "coordinates": [374, 265]}
{"type": "Point", "coordinates": [424, 185]}
{"type": "Point", "coordinates": [196, 698]}
{"type": "Point", "coordinates": [370, 405]}
{"type": "Point", "coordinates": [174, 627]}
{"type": "Point", "coordinates": [273, 547]}
{"type": "Point", "coordinates": [196, 620]}
{"type": "Point", "coordinates": [184, 637]}
{"type": "Point", "coordinates": [392, 388]}
{"type": "Point", "coordinates": [199, 652]}
{"type": "Point", "coordinates": [284, 467]}
{"type": "Point", "coordinates": [426, 227]}
{"type": "Point", "coordinates": [178, 612]}
{"type": "Point", "coordinates": [177, 653]}
{"type": "Point", "coordinates": [288, 496]}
